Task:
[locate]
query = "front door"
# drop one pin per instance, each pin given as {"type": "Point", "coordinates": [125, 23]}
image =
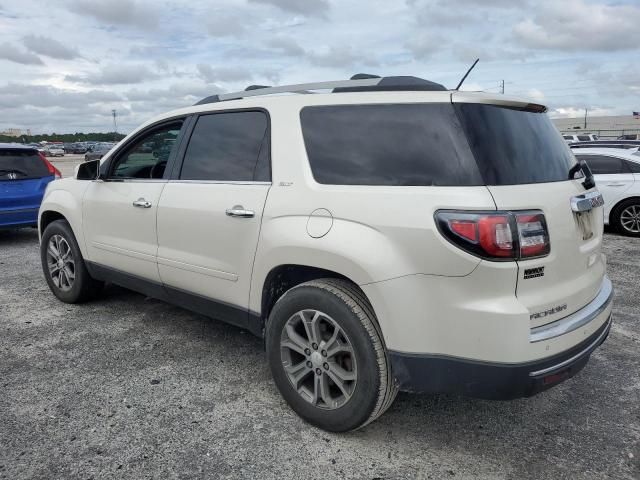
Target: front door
{"type": "Point", "coordinates": [209, 215]}
{"type": "Point", "coordinates": [119, 212]}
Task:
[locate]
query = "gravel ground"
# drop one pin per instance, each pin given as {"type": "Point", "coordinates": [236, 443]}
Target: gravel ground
{"type": "Point", "coordinates": [129, 387]}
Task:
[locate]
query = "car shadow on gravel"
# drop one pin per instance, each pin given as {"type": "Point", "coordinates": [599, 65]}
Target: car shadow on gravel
{"type": "Point", "coordinates": [18, 237]}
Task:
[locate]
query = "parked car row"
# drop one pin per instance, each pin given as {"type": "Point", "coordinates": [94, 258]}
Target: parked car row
{"type": "Point", "coordinates": [584, 137]}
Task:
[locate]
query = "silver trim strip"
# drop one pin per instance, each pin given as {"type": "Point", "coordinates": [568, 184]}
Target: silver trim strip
{"type": "Point", "coordinates": [578, 319]}
{"type": "Point", "coordinates": [568, 361]}
{"type": "Point", "coordinates": [221, 182]}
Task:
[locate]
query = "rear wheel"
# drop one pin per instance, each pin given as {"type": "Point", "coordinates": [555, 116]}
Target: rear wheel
{"type": "Point", "coordinates": [63, 265]}
{"type": "Point", "coordinates": [327, 356]}
{"type": "Point", "coordinates": [627, 217]}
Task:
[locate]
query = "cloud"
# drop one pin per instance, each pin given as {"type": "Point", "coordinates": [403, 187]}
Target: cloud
{"type": "Point", "coordinates": [44, 96]}
{"type": "Point", "coordinates": [573, 112]}
{"type": "Point", "coordinates": [223, 74]}
{"type": "Point", "coordinates": [535, 94]}
{"type": "Point", "coordinates": [49, 47]}
{"type": "Point", "coordinates": [576, 25]}
{"type": "Point", "coordinates": [120, 12]}
{"type": "Point", "coordinates": [223, 24]}
{"type": "Point", "coordinates": [339, 57]}
{"type": "Point", "coordinates": [319, 8]}
{"type": "Point", "coordinates": [423, 46]}
{"type": "Point", "coordinates": [11, 53]}
{"type": "Point", "coordinates": [115, 74]}
{"type": "Point", "coordinates": [286, 46]}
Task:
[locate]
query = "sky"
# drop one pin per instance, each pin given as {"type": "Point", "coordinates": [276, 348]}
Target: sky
{"type": "Point", "coordinates": [66, 64]}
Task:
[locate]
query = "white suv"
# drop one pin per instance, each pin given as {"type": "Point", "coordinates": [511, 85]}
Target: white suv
{"type": "Point", "coordinates": [387, 235]}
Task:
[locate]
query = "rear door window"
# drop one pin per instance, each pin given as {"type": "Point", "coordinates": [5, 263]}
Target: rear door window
{"type": "Point", "coordinates": [604, 164]}
{"type": "Point", "coordinates": [18, 164]}
{"type": "Point", "coordinates": [400, 144]}
{"type": "Point", "coordinates": [229, 146]}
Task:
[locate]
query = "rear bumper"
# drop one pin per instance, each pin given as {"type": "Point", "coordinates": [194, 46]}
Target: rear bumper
{"type": "Point", "coordinates": [23, 217]}
{"type": "Point", "coordinates": [498, 381]}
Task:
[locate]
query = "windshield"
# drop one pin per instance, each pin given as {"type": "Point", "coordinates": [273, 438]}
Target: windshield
{"type": "Point", "coordinates": [21, 165]}
{"type": "Point", "coordinates": [514, 147]}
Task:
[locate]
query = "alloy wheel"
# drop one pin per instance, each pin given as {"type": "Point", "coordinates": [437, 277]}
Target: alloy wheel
{"type": "Point", "coordinates": [318, 359]}
{"type": "Point", "coordinates": [630, 218]}
{"type": "Point", "coordinates": [62, 267]}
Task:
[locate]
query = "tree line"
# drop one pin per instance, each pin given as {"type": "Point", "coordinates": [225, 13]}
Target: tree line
{"type": "Point", "coordinates": [64, 137]}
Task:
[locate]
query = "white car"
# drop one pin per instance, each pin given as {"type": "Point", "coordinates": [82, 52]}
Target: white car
{"type": "Point", "coordinates": [617, 174]}
{"type": "Point", "coordinates": [54, 151]}
{"type": "Point", "coordinates": [387, 235]}
{"type": "Point", "coordinates": [585, 137]}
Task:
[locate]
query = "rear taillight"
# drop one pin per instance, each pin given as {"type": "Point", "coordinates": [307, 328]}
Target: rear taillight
{"type": "Point", "coordinates": [52, 170]}
{"type": "Point", "coordinates": [496, 235]}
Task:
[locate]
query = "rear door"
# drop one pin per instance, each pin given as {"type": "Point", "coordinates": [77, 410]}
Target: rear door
{"type": "Point", "coordinates": [23, 179]}
{"type": "Point", "coordinates": [119, 213]}
{"type": "Point", "coordinates": [525, 164]}
{"type": "Point", "coordinates": [210, 212]}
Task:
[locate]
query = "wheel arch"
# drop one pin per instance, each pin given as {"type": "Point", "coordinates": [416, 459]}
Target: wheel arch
{"type": "Point", "coordinates": [614, 213]}
{"type": "Point", "coordinates": [282, 278]}
{"type": "Point", "coordinates": [59, 204]}
{"type": "Point", "coordinates": [614, 209]}
{"type": "Point", "coordinates": [47, 217]}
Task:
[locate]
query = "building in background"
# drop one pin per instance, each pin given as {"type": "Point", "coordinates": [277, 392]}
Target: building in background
{"type": "Point", "coordinates": [15, 132]}
{"type": "Point", "coordinates": [612, 126]}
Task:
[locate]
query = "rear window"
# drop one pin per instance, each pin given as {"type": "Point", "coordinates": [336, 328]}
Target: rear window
{"type": "Point", "coordinates": [513, 146]}
{"type": "Point", "coordinates": [21, 164]}
{"type": "Point", "coordinates": [401, 144]}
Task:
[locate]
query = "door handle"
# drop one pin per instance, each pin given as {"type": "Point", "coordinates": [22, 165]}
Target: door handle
{"type": "Point", "coordinates": [616, 184]}
{"type": "Point", "coordinates": [239, 211]}
{"type": "Point", "coordinates": [142, 203]}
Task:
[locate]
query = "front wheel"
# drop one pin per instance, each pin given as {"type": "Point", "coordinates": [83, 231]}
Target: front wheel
{"type": "Point", "coordinates": [327, 356]}
{"type": "Point", "coordinates": [63, 265]}
{"type": "Point", "coordinates": [626, 218]}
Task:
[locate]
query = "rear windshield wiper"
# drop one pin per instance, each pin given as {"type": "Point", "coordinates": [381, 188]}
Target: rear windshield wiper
{"type": "Point", "coordinates": [581, 166]}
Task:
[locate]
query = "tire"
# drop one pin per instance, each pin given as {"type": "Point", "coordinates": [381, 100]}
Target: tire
{"type": "Point", "coordinates": [626, 217]}
{"type": "Point", "coordinates": [81, 287]}
{"type": "Point", "coordinates": [338, 309]}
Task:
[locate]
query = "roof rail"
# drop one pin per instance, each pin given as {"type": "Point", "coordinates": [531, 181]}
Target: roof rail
{"type": "Point", "coordinates": [369, 83]}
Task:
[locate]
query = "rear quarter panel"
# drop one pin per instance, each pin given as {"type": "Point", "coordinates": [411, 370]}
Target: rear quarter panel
{"type": "Point", "coordinates": [377, 233]}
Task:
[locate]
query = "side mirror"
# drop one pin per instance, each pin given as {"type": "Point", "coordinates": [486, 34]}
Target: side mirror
{"type": "Point", "coordinates": [88, 170]}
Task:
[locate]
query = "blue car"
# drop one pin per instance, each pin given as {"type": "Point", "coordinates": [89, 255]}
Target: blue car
{"type": "Point", "coordinates": [24, 176]}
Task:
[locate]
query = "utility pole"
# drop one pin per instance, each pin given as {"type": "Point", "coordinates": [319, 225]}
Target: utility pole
{"type": "Point", "coordinates": [115, 125]}
{"type": "Point", "coordinates": [585, 118]}
{"type": "Point", "coordinates": [502, 87]}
